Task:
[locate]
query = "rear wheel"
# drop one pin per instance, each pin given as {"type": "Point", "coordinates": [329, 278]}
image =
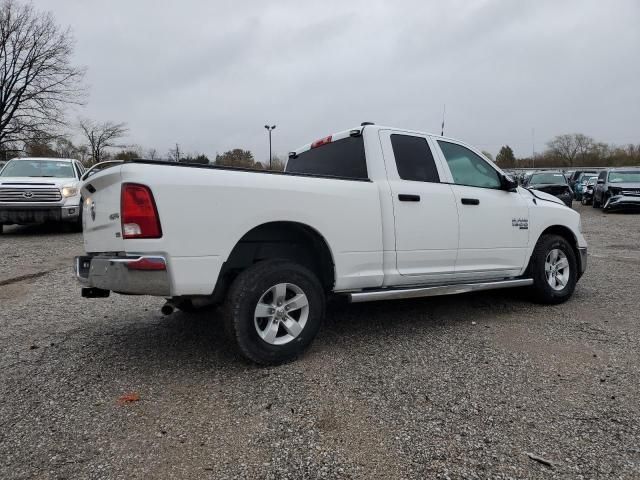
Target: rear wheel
{"type": "Point", "coordinates": [553, 267]}
{"type": "Point", "coordinates": [274, 310]}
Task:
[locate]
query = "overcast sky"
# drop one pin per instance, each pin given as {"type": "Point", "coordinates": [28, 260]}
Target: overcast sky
{"type": "Point", "coordinates": [210, 74]}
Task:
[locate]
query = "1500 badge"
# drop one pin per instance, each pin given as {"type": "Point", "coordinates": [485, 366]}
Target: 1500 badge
{"type": "Point", "coordinates": [521, 223]}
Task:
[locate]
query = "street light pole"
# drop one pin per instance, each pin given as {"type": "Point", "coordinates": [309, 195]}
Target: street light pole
{"type": "Point", "coordinates": [269, 129]}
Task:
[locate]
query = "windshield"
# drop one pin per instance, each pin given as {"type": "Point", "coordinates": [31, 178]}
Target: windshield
{"type": "Point", "coordinates": [38, 168]}
{"type": "Point", "coordinates": [547, 179]}
{"type": "Point", "coordinates": [624, 177]}
{"type": "Point", "coordinates": [592, 180]}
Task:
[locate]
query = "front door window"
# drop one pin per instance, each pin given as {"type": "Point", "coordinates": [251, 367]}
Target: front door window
{"type": "Point", "coordinates": [467, 168]}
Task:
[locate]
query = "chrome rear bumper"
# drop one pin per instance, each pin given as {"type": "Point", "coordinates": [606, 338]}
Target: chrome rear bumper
{"type": "Point", "coordinates": [137, 275]}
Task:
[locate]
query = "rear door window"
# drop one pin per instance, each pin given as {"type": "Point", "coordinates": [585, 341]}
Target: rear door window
{"type": "Point", "coordinates": [341, 158]}
{"type": "Point", "coordinates": [414, 159]}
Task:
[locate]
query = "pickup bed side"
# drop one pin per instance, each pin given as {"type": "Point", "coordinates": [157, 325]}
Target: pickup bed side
{"type": "Point", "coordinates": [206, 213]}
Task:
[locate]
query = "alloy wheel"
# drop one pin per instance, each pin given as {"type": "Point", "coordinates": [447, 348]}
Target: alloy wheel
{"type": "Point", "coordinates": [281, 314]}
{"type": "Point", "coordinates": [556, 268]}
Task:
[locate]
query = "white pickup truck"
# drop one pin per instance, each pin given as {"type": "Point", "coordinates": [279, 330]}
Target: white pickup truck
{"type": "Point", "coordinates": [371, 213]}
{"type": "Point", "coordinates": [37, 190]}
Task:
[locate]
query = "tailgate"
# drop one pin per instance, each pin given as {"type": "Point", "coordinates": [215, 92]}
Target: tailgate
{"type": "Point", "coordinates": [102, 229]}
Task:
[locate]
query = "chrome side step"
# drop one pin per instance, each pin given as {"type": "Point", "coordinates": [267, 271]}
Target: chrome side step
{"type": "Point", "coordinates": [399, 293]}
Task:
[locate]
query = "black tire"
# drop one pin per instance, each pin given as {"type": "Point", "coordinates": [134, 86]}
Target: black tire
{"type": "Point", "coordinates": [542, 291]}
{"type": "Point", "coordinates": [1, 228]}
{"type": "Point", "coordinates": [77, 225]}
{"type": "Point", "coordinates": [243, 297]}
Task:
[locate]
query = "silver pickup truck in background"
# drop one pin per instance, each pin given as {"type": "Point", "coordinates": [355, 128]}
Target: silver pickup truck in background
{"type": "Point", "coordinates": [39, 190]}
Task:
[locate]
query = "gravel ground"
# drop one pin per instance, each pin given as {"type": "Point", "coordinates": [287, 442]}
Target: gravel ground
{"type": "Point", "coordinates": [453, 387]}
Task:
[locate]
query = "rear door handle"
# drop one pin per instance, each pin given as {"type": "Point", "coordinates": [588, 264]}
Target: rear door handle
{"type": "Point", "coordinates": [470, 201]}
{"type": "Point", "coordinates": [406, 197]}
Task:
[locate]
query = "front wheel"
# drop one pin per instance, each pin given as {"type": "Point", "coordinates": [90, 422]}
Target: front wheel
{"type": "Point", "coordinates": [77, 225]}
{"type": "Point", "coordinates": [553, 267]}
{"type": "Point", "coordinates": [274, 310]}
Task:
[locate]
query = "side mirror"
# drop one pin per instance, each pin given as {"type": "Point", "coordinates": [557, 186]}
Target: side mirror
{"type": "Point", "coordinates": [507, 183]}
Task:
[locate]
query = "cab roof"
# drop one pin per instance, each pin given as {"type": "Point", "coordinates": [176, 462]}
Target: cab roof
{"type": "Point", "coordinates": [53, 159]}
{"type": "Point", "coordinates": [357, 131]}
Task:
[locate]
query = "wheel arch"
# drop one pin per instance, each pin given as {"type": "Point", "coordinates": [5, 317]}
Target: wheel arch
{"type": "Point", "coordinates": [282, 240]}
{"type": "Point", "coordinates": [568, 234]}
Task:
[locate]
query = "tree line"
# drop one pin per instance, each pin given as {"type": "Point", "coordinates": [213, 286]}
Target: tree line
{"type": "Point", "coordinates": [573, 150]}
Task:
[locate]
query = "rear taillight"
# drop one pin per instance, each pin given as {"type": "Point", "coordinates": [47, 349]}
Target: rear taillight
{"type": "Point", "coordinates": [138, 212]}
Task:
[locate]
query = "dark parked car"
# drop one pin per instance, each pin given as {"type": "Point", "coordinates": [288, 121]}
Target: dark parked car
{"type": "Point", "coordinates": [617, 189]}
{"type": "Point", "coordinates": [554, 183]}
{"type": "Point", "coordinates": [574, 175]}
{"type": "Point", "coordinates": [587, 192]}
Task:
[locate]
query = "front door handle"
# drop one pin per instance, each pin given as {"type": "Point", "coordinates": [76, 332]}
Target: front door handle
{"type": "Point", "coordinates": [470, 201]}
{"type": "Point", "coordinates": [406, 197]}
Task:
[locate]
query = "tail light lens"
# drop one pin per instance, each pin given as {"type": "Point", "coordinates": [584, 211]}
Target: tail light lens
{"type": "Point", "coordinates": [138, 212]}
{"type": "Point", "coordinates": [322, 141]}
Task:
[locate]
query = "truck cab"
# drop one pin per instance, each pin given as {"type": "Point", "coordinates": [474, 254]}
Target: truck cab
{"type": "Point", "coordinates": [448, 212]}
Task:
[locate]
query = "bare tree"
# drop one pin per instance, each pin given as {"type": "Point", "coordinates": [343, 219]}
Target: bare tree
{"type": "Point", "coordinates": [82, 153]}
{"type": "Point", "coordinates": [37, 79]}
{"type": "Point", "coordinates": [570, 147]}
{"type": "Point", "coordinates": [174, 154]}
{"type": "Point", "coordinates": [101, 136]}
{"type": "Point", "coordinates": [277, 163]}
{"type": "Point", "coordinates": [152, 153]}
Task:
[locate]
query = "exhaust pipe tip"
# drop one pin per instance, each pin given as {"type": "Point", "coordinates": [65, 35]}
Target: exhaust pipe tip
{"type": "Point", "coordinates": [167, 308]}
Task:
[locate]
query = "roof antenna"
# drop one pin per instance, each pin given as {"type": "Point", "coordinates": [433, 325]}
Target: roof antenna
{"type": "Point", "coordinates": [444, 110]}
